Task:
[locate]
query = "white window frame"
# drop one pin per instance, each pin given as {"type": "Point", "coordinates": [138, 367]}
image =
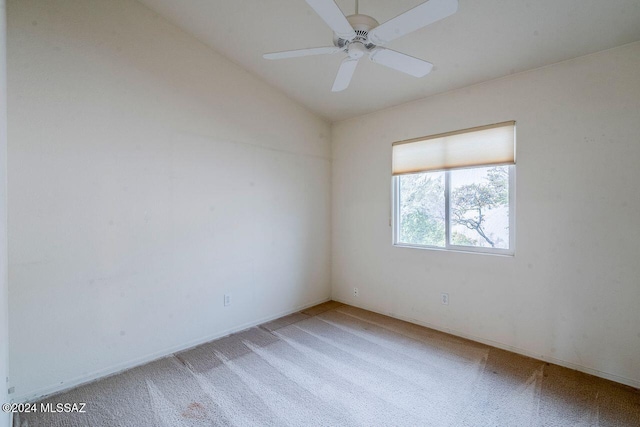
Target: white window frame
{"type": "Point", "coordinates": [395, 220]}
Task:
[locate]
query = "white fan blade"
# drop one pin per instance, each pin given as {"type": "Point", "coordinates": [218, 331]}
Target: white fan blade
{"type": "Point", "coordinates": [345, 72]}
{"type": "Point", "coordinates": [412, 20]}
{"type": "Point", "coordinates": [302, 52]}
{"type": "Point", "coordinates": [401, 62]}
{"type": "Point", "coordinates": [331, 14]}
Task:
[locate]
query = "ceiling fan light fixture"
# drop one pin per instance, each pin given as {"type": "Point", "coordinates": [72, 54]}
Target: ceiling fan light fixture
{"type": "Point", "coordinates": [356, 50]}
{"type": "Point", "coordinates": [357, 35]}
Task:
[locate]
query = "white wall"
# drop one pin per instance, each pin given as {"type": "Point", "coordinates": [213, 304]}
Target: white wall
{"type": "Point", "coordinates": [4, 315]}
{"type": "Point", "coordinates": [148, 176]}
{"type": "Point", "coordinates": [571, 292]}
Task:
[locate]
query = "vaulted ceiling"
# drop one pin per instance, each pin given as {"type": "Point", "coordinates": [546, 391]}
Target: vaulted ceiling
{"type": "Point", "coordinates": [484, 40]}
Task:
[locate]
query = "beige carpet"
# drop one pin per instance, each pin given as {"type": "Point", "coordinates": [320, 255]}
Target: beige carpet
{"type": "Point", "coordinates": [336, 365]}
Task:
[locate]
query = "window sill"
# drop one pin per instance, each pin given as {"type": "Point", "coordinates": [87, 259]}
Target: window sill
{"type": "Point", "coordinates": [501, 253]}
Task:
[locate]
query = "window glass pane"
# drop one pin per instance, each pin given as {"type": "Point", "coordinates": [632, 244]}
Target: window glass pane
{"type": "Point", "coordinates": [479, 207]}
{"type": "Point", "coordinates": [421, 209]}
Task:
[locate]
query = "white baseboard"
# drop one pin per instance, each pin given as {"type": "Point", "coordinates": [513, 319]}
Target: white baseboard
{"type": "Point", "coordinates": [121, 367]}
{"type": "Point", "coordinates": [606, 375]}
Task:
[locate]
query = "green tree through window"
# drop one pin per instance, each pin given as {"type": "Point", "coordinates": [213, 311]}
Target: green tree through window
{"type": "Point", "coordinates": [478, 208]}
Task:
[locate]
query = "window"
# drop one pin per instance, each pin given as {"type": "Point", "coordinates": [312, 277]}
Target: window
{"type": "Point", "coordinates": [456, 190]}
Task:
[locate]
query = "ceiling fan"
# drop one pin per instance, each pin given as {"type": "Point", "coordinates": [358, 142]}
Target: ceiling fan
{"type": "Point", "coordinates": [357, 35]}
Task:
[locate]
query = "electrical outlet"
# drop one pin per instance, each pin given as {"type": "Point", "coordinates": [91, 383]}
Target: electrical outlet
{"type": "Point", "coordinates": [355, 292]}
{"type": "Point", "coordinates": [227, 300]}
{"type": "Point", "coordinates": [444, 298]}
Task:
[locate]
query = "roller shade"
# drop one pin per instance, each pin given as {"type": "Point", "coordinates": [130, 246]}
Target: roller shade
{"type": "Point", "coordinates": [486, 145]}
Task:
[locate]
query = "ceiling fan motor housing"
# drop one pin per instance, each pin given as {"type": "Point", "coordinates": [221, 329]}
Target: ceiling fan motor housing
{"type": "Point", "coordinates": [362, 24]}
